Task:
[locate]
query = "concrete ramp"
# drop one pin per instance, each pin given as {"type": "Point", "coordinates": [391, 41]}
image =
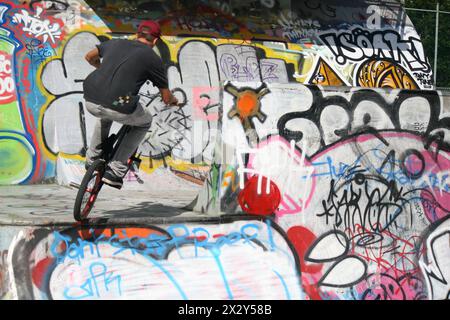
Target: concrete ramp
{"type": "Point", "coordinates": [289, 174]}
{"type": "Point", "coordinates": [197, 260]}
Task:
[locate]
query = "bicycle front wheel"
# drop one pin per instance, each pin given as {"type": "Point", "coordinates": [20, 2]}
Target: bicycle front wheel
{"type": "Point", "coordinates": [89, 189]}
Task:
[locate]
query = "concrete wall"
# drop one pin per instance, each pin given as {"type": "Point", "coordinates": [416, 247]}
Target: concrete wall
{"type": "Point", "coordinates": [357, 178]}
{"type": "Point", "coordinates": [323, 192]}
{"type": "Point", "coordinates": [45, 128]}
{"type": "Point", "coordinates": [237, 258]}
{"type": "Point", "coordinates": [318, 135]}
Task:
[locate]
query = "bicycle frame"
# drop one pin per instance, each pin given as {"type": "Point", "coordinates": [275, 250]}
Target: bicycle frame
{"type": "Point", "coordinates": [112, 143]}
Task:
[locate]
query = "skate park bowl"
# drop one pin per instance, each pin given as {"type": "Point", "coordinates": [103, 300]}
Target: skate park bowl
{"type": "Point", "coordinates": [308, 163]}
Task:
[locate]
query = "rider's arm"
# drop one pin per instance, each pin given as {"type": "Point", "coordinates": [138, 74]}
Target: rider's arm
{"type": "Point", "coordinates": [157, 75]}
{"type": "Point", "coordinates": [168, 97]}
{"type": "Point", "coordinates": [93, 57]}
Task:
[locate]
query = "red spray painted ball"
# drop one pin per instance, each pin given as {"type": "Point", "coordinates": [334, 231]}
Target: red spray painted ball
{"type": "Point", "coordinates": [262, 203]}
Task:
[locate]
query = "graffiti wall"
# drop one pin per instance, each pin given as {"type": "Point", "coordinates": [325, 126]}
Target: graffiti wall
{"type": "Point", "coordinates": [45, 128]}
{"type": "Point", "coordinates": [312, 131]}
{"type": "Point", "coordinates": [236, 259]}
{"type": "Point", "coordinates": [323, 194]}
{"type": "Point", "coordinates": [358, 179]}
{"type": "Point", "coordinates": [241, 257]}
{"type": "Point", "coordinates": [31, 37]}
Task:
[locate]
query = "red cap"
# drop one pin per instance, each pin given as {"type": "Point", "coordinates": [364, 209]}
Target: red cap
{"type": "Point", "coordinates": [150, 27]}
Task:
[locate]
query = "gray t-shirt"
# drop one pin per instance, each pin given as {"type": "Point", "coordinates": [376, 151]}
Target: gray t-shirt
{"type": "Point", "coordinates": [126, 66]}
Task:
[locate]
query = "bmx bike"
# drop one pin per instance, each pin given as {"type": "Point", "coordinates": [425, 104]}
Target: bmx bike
{"type": "Point", "coordinates": [92, 182]}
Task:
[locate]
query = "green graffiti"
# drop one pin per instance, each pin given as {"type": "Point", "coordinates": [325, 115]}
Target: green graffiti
{"type": "Point", "coordinates": [15, 158]}
{"type": "Point", "coordinates": [215, 181]}
{"type": "Point", "coordinates": [16, 153]}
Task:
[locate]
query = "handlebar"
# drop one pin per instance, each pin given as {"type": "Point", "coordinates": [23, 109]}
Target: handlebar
{"type": "Point", "coordinates": [176, 90]}
{"type": "Point", "coordinates": [180, 104]}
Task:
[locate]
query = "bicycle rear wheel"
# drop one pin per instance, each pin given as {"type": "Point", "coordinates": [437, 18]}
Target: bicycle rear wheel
{"type": "Point", "coordinates": [89, 188]}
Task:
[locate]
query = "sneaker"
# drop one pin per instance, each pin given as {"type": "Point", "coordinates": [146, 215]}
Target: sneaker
{"type": "Point", "coordinates": [112, 180]}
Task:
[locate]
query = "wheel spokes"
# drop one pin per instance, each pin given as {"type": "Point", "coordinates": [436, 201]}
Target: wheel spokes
{"type": "Point", "coordinates": [90, 194]}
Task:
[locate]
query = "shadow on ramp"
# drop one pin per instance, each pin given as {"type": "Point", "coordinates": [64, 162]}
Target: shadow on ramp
{"type": "Point", "coordinates": [145, 209]}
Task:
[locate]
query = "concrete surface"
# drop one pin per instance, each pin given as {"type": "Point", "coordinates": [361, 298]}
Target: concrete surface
{"type": "Point", "coordinates": [53, 205]}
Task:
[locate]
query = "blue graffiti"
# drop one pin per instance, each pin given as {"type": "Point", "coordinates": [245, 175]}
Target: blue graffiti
{"type": "Point", "coordinates": [70, 248]}
{"type": "Point", "coordinates": [99, 282]}
{"type": "Point", "coordinates": [285, 287]}
{"type": "Point", "coordinates": [391, 171]}
{"type": "Point", "coordinates": [158, 245]}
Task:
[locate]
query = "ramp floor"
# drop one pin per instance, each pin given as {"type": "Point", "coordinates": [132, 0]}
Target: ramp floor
{"type": "Point", "coordinates": [53, 205]}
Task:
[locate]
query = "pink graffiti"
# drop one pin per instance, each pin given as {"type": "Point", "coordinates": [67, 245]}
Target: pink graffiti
{"type": "Point", "coordinates": [202, 103]}
{"type": "Point", "coordinates": [435, 164]}
{"type": "Point", "coordinates": [385, 286]}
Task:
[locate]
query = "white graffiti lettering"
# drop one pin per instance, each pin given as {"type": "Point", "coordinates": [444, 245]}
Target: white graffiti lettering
{"type": "Point", "coordinates": [6, 81]}
{"type": "Point", "coordinates": [436, 267]}
{"type": "Point", "coordinates": [36, 27]}
{"type": "Point", "coordinates": [281, 164]}
{"type": "Point", "coordinates": [360, 44]}
{"type": "Point", "coordinates": [295, 28]}
{"type": "Point", "coordinates": [3, 10]}
{"type": "Point", "coordinates": [374, 20]}
{"type": "Point", "coordinates": [5, 65]}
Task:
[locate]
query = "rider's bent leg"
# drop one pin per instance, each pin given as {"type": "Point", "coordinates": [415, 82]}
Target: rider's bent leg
{"type": "Point", "coordinates": [126, 149]}
{"type": "Point", "coordinates": [101, 133]}
{"type": "Point", "coordinates": [139, 121]}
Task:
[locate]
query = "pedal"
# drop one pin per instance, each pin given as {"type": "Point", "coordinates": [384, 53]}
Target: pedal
{"type": "Point", "coordinates": [109, 184]}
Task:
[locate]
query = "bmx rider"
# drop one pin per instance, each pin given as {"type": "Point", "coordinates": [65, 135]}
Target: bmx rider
{"type": "Point", "coordinates": [111, 94]}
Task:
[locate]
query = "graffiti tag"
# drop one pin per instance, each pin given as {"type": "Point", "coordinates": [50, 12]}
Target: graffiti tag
{"type": "Point", "coordinates": [6, 81]}
{"type": "Point", "coordinates": [360, 44]}
{"type": "Point", "coordinates": [37, 27]}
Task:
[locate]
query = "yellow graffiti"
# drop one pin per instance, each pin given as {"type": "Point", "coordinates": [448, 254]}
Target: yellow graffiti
{"type": "Point", "coordinates": [324, 75]}
{"type": "Point", "coordinates": [149, 165]}
{"type": "Point", "coordinates": [385, 74]}
{"type": "Point", "coordinates": [176, 43]}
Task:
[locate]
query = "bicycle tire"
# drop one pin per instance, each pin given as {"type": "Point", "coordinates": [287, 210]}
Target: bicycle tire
{"type": "Point", "coordinates": [95, 171]}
